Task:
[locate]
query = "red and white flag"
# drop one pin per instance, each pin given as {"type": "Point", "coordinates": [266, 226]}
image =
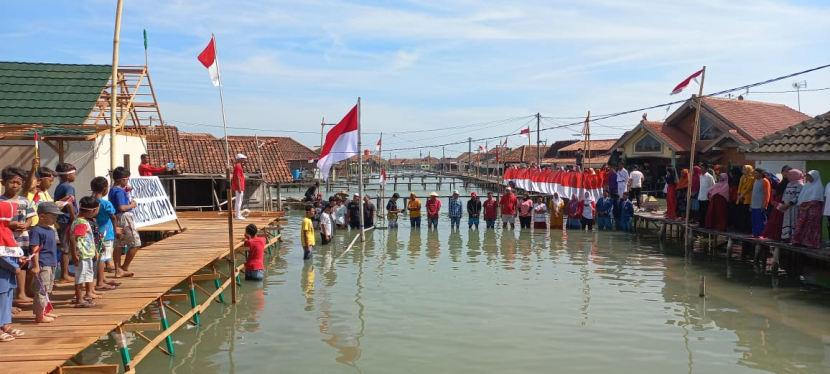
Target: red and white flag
{"type": "Point", "coordinates": [525, 132]}
{"type": "Point", "coordinates": [208, 59]}
{"type": "Point", "coordinates": [504, 145]}
{"type": "Point", "coordinates": [377, 147]}
{"type": "Point", "coordinates": [382, 177]}
{"type": "Point", "coordinates": [685, 82]}
{"type": "Point", "coordinates": [480, 148]}
{"type": "Point", "coordinates": [586, 127]}
{"type": "Point", "coordinates": [341, 143]}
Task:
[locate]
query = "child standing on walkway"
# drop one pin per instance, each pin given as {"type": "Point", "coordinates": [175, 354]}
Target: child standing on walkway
{"type": "Point", "coordinates": [65, 192]}
{"type": "Point", "coordinates": [104, 219]}
{"type": "Point", "coordinates": [126, 222]}
{"type": "Point", "coordinates": [307, 233]}
{"type": "Point", "coordinates": [11, 257]}
{"type": "Point", "coordinates": [44, 260]}
{"type": "Point", "coordinates": [254, 268]}
{"type": "Point", "coordinates": [13, 179]}
{"type": "Point", "coordinates": [82, 249]}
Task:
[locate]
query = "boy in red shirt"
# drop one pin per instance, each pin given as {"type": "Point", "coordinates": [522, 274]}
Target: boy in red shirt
{"type": "Point", "coordinates": [238, 184]}
{"type": "Point", "coordinates": [254, 268]}
{"type": "Point", "coordinates": [490, 211]}
{"type": "Point", "coordinates": [433, 207]}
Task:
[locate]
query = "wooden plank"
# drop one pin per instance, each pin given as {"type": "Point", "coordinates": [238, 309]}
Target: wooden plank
{"type": "Point", "coordinates": [143, 326]}
{"type": "Point", "coordinates": [92, 369]}
{"type": "Point", "coordinates": [204, 277]}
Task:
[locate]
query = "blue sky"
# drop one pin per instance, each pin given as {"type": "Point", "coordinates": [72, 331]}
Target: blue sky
{"type": "Point", "coordinates": [427, 68]}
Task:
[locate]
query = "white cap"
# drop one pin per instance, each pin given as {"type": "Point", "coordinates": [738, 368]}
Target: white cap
{"type": "Point", "coordinates": [455, 192]}
{"type": "Point", "coordinates": [356, 194]}
{"type": "Point", "coordinates": [240, 156]}
{"type": "Point", "coordinates": [509, 189]}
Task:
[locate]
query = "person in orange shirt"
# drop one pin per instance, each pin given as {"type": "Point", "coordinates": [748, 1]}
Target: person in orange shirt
{"type": "Point", "coordinates": [760, 199]}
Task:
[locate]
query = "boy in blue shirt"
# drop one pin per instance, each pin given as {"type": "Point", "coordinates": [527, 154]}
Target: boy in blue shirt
{"type": "Point", "coordinates": [627, 208]}
{"type": "Point", "coordinates": [605, 209]}
{"type": "Point", "coordinates": [44, 259]}
{"type": "Point", "coordinates": [106, 231]}
{"type": "Point", "coordinates": [456, 209]}
{"type": "Point", "coordinates": [125, 221]}
{"type": "Point", "coordinates": [63, 192]}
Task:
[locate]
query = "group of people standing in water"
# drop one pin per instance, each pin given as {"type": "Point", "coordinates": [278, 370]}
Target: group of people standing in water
{"type": "Point", "coordinates": [754, 201]}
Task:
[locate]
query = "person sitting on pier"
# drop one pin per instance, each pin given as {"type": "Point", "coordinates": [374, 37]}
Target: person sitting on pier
{"type": "Point", "coordinates": [254, 268]}
{"type": "Point", "coordinates": [455, 210]}
{"type": "Point", "coordinates": [627, 213]}
{"type": "Point", "coordinates": [353, 209]}
{"type": "Point", "coordinates": [491, 211]}
{"type": "Point", "coordinates": [605, 209]}
{"type": "Point", "coordinates": [473, 210]}
{"type": "Point", "coordinates": [508, 208]}
{"type": "Point", "coordinates": [433, 209]}
{"type": "Point", "coordinates": [311, 192]}
{"type": "Point", "coordinates": [392, 211]}
{"type": "Point", "coordinates": [414, 208]}
{"type": "Point", "coordinates": [574, 214]}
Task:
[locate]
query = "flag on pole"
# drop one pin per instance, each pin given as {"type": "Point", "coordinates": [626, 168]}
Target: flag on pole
{"type": "Point", "coordinates": [341, 143]}
{"type": "Point", "coordinates": [377, 147]}
{"type": "Point", "coordinates": [685, 82]}
{"type": "Point", "coordinates": [586, 127]}
{"type": "Point", "coordinates": [503, 145]}
{"type": "Point", "coordinates": [37, 145]}
{"type": "Point", "coordinates": [480, 147]}
{"type": "Point", "coordinates": [382, 177]}
{"type": "Point", "coordinates": [208, 59]}
{"type": "Point", "coordinates": [525, 132]}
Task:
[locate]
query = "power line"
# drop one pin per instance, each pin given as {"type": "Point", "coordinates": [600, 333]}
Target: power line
{"type": "Point", "coordinates": [790, 91]}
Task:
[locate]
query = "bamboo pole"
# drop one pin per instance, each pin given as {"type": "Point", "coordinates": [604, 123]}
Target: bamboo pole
{"type": "Point", "coordinates": [360, 172]}
{"type": "Point", "coordinates": [113, 93]}
{"type": "Point", "coordinates": [695, 135]}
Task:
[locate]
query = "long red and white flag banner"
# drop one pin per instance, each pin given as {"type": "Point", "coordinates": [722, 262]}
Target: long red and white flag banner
{"type": "Point", "coordinates": [208, 59]}
{"type": "Point", "coordinates": [382, 177]}
{"type": "Point", "coordinates": [562, 182]}
{"type": "Point", "coordinates": [377, 147]}
{"type": "Point", "coordinates": [525, 132]}
{"type": "Point", "coordinates": [586, 127]}
{"type": "Point", "coordinates": [680, 87]}
{"type": "Point", "coordinates": [341, 143]}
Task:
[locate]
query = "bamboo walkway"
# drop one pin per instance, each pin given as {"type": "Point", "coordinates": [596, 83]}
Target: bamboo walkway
{"type": "Point", "coordinates": [159, 267]}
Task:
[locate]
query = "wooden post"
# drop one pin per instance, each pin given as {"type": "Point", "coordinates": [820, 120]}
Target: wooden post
{"type": "Point", "coordinates": [232, 253]}
{"type": "Point", "coordinates": [702, 292]}
{"type": "Point", "coordinates": [279, 197]}
{"type": "Point", "coordinates": [113, 92]}
{"type": "Point", "coordinates": [695, 136]}
{"type": "Point", "coordinates": [776, 258]}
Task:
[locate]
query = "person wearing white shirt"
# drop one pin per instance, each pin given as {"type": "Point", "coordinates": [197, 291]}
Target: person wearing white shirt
{"type": "Point", "coordinates": [707, 181]}
{"type": "Point", "coordinates": [622, 180]}
{"type": "Point", "coordinates": [635, 181]}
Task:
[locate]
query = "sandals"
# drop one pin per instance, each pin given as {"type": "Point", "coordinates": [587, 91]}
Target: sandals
{"type": "Point", "coordinates": [15, 333]}
{"type": "Point", "coordinates": [4, 337]}
{"type": "Point", "coordinates": [108, 287]}
{"type": "Point", "coordinates": [86, 304]}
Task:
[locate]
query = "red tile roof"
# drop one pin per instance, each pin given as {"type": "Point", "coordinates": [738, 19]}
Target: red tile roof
{"type": "Point", "coordinates": [671, 135]}
{"type": "Point", "coordinates": [756, 118]}
{"type": "Point", "coordinates": [594, 161]}
{"type": "Point", "coordinates": [524, 154]}
{"type": "Point", "coordinates": [596, 145]}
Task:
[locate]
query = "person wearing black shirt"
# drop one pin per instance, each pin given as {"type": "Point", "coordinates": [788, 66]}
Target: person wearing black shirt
{"type": "Point", "coordinates": [311, 192]}
{"type": "Point", "coordinates": [473, 210]}
{"type": "Point", "coordinates": [368, 212]}
{"type": "Point", "coordinates": [353, 209]}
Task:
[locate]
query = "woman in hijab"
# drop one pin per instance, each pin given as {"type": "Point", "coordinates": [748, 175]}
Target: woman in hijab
{"type": "Point", "coordinates": [612, 181]}
{"type": "Point", "coordinates": [695, 185]}
{"type": "Point", "coordinates": [574, 216]}
{"type": "Point", "coordinates": [717, 217]}
{"type": "Point", "coordinates": [682, 187]}
{"type": "Point", "coordinates": [745, 199]}
{"type": "Point", "coordinates": [776, 217]}
{"type": "Point", "coordinates": [761, 192]}
{"type": "Point", "coordinates": [588, 209]}
{"type": "Point", "coordinates": [810, 206]}
{"type": "Point", "coordinates": [557, 211]}
{"type": "Point", "coordinates": [788, 203]}
{"type": "Point", "coordinates": [671, 193]}
{"type": "Point", "coordinates": [734, 181]}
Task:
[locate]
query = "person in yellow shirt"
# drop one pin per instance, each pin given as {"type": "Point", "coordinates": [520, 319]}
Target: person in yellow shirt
{"type": "Point", "coordinates": [414, 208]}
{"type": "Point", "coordinates": [745, 200]}
{"type": "Point", "coordinates": [307, 235]}
{"type": "Point", "coordinates": [39, 191]}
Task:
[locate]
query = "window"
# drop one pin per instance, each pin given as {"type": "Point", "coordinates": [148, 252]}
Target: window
{"type": "Point", "coordinates": [648, 145]}
{"type": "Point", "coordinates": [708, 131]}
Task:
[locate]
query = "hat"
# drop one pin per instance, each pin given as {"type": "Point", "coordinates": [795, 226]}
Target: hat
{"type": "Point", "coordinates": [343, 192]}
{"type": "Point", "coordinates": [508, 189]}
{"type": "Point", "coordinates": [48, 207]}
{"type": "Point", "coordinates": [473, 194]}
{"type": "Point", "coordinates": [455, 192]}
{"type": "Point", "coordinates": [433, 194]}
{"type": "Point", "coordinates": [240, 156]}
{"type": "Point", "coordinates": [356, 194]}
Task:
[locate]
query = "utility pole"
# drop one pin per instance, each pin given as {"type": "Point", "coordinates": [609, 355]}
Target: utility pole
{"type": "Point", "coordinates": [322, 141]}
{"type": "Point", "coordinates": [469, 155]}
{"type": "Point", "coordinates": [443, 159]}
{"type": "Point", "coordinates": [798, 86]}
{"type": "Point", "coordinates": [538, 142]}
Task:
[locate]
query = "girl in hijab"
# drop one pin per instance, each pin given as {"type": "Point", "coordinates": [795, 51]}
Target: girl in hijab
{"type": "Point", "coordinates": [745, 199]}
{"type": "Point", "coordinates": [788, 203]}
{"type": "Point", "coordinates": [671, 193]}
{"type": "Point", "coordinates": [761, 192]}
{"type": "Point", "coordinates": [810, 205]}
{"type": "Point", "coordinates": [557, 211]}
{"type": "Point", "coordinates": [695, 185]}
{"type": "Point", "coordinates": [682, 187]}
{"type": "Point", "coordinates": [717, 217]}
{"type": "Point", "coordinates": [574, 216]}
{"type": "Point", "coordinates": [772, 230]}
{"type": "Point", "coordinates": [587, 208]}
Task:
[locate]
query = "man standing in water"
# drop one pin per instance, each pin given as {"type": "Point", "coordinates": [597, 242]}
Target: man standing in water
{"type": "Point", "coordinates": [433, 208]}
{"type": "Point", "coordinates": [238, 184]}
{"type": "Point", "coordinates": [368, 212]}
{"type": "Point", "coordinates": [392, 211]}
{"type": "Point", "coordinates": [473, 210]}
{"type": "Point", "coordinates": [307, 233]}
{"type": "Point", "coordinates": [508, 208]}
{"type": "Point", "coordinates": [456, 210]}
{"type": "Point", "coordinates": [353, 209]}
{"type": "Point", "coordinates": [414, 208]}
{"type": "Point", "coordinates": [491, 211]}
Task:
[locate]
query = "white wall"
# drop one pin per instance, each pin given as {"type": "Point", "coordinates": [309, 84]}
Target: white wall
{"type": "Point", "coordinates": [133, 146]}
{"type": "Point", "coordinates": [775, 166]}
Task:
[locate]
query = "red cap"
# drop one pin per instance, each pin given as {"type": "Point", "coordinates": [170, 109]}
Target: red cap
{"type": "Point", "coordinates": [473, 194]}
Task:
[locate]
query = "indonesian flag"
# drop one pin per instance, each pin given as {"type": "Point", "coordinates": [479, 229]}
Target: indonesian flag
{"type": "Point", "coordinates": [525, 132]}
{"type": "Point", "coordinates": [341, 143]}
{"type": "Point", "coordinates": [37, 145]}
{"type": "Point", "coordinates": [377, 147]}
{"type": "Point", "coordinates": [208, 59]}
{"type": "Point", "coordinates": [685, 82]}
{"type": "Point", "coordinates": [382, 177]}
{"type": "Point", "coordinates": [504, 145]}
{"type": "Point", "coordinates": [586, 129]}
{"type": "Point", "coordinates": [480, 148]}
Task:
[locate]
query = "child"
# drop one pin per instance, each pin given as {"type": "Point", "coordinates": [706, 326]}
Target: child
{"type": "Point", "coordinates": [106, 231]}
{"type": "Point", "coordinates": [307, 235]}
{"type": "Point", "coordinates": [326, 226]}
{"type": "Point", "coordinates": [254, 268]}
{"type": "Point", "coordinates": [65, 192]}
{"type": "Point", "coordinates": [126, 222]}
{"type": "Point", "coordinates": [82, 249]}
{"type": "Point", "coordinates": [43, 240]}
{"type": "Point", "coordinates": [627, 208]}
{"type": "Point", "coordinates": [11, 256]}
{"type": "Point", "coordinates": [13, 179]}
{"type": "Point", "coordinates": [540, 214]}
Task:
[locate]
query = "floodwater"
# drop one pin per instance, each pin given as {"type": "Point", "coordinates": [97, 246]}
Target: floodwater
{"type": "Point", "coordinates": [502, 301]}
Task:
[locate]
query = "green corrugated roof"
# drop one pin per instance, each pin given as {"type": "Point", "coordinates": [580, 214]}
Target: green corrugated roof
{"type": "Point", "coordinates": [59, 131]}
{"type": "Point", "coordinates": [49, 94]}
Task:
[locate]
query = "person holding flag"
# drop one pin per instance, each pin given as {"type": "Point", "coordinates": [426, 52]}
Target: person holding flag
{"type": "Point", "coordinates": [44, 260]}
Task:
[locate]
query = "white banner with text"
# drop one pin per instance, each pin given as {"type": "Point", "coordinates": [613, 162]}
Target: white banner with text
{"type": "Point", "coordinates": [153, 204]}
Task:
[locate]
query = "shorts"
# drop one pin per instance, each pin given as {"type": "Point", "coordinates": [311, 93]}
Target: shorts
{"type": "Point", "coordinates": [126, 221]}
{"type": "Point", "coordinates": [106, 254]}
{"type": "Point", "coordinates": [415, 221]}
{"type": "Point", "coordinates": [84, 272]}
{"type": "Point", "coordinates": [254, 275]}
{"type": "Point", "coordinates": [455, 221]}
{"type": "Point", "coordinates": [491, 223]}
{"type": "Point", "coordinates": [307, 250]}
{"type": "Point", "coordinates": [63, 244]}
{"type": "Point", "coordinates": [432, 221]}
{"type": "Point", "coordinates": [472, 221]}
{"type": "Point", "coordinates": [508, 218]}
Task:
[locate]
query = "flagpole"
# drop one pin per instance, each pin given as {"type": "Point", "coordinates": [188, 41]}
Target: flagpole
{"type": "Point", "coordinates": [695, 135]}
{"type": "Point", "coordinates": [360, 173]}
{"type": "Point", "coordinates": [381, 207]}
{"type": "Point", "coordinates": [146, 60]}
{"type": "Point", "coordinates": [222, 103]}
{"type": "Point", "coordinates": [113, 92]}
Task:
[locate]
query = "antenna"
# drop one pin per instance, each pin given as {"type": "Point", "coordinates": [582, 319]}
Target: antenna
{"type": "Point", "coordinates": [798, 85]}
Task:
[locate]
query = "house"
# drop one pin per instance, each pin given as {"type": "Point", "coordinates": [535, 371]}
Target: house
{"type": "Point", "coordinates": [200, 178]}
{"type": "Point", "coordinates": [597, 157]}
{"type": "Point", "coordinates": [68, 106]}
{"type": "Point", "coordinates": [526, 154]}
{"type": "Point", "coordinates": [725, 125]}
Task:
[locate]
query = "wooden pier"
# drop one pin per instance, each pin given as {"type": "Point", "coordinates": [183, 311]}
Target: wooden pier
{"type": "Point", "coordinates": [198, 257]}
